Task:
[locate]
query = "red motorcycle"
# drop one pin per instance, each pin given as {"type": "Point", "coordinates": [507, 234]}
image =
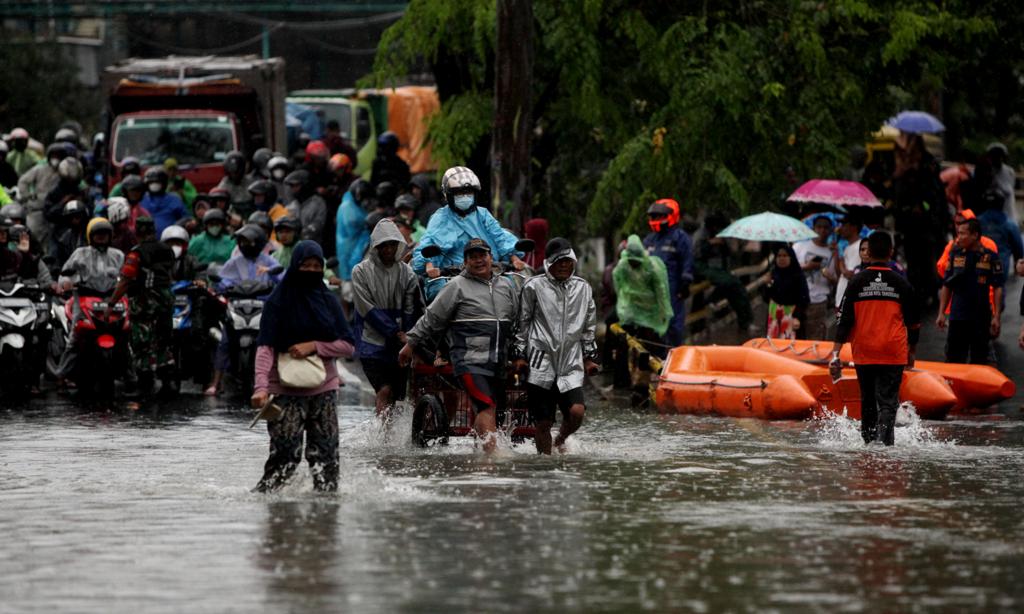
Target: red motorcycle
{"type": "Point", "coordinates": [101, 341]}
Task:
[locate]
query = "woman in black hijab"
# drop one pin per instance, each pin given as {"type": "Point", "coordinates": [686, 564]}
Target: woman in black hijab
{"type": "Point", "coordinates": [787, 295]}
{"type": "Point", "coordinates": [301, 318]}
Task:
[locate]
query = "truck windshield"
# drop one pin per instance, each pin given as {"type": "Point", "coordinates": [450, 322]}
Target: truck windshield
{"type": "Point", "coordinates": [191, 141]}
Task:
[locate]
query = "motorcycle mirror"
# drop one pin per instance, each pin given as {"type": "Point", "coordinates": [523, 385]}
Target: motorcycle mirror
{"type": "Point", "coordinates": [276, 270]}
{"type": "Point", "coordinates": [331, 262]}
{"type": "Point", "coordinates": [525, 245]}
{"type": "Point", "coordinates": [430, 251]}
{"type": "Point", "coordinates": [215, 278]}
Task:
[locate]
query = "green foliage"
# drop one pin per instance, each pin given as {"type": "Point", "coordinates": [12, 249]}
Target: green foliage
{"type": "Point", "coordinates": [41, 88]}
{"type": "Point", "coordinates": [707, 102]}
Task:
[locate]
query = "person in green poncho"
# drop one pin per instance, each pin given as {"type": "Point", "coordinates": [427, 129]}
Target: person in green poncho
{"type": "Point", "coordinates": [214, 244]}
{"type": "Point", "coordinates": [641, 288]}
{"type": "Point", "coordinates": [178, 184]}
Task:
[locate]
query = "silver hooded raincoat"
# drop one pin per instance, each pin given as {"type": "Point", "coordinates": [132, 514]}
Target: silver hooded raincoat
{"type": "Point", "coordinates": [557, 320]}
{"type": "Point", "coordinates": [384, 296]}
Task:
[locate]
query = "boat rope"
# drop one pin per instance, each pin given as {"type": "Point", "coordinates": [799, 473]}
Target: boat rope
{"type": "Point", "coordinates": [761, 386]}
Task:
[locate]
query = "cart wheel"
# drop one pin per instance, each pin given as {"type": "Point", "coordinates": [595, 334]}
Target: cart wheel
{"type": "Point", "coordinates": [429, 420]}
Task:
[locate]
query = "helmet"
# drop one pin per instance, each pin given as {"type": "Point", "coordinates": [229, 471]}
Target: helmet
{"type": "Point", "coordinates": [253, 233]}
{"type": "Point", "coordinates": [362, 191]}
{"type": "Point", "coordinates": [234, 162]}
{"type": "Point", "coordinates": [299, 178]}
{"type": "Point", "coordinates": [215, 215]}
{"type": "Point", "coordinates": [422, 181]}
{"type": "Point", "coordinates": [156, 174]}
{"type": "Point", "coordinates": [118, 209]}
{"type": "Point", "coordinates": [261, 219]}
{"type": "Point", "coordinates": [97, 224]}
{"type": "Point", "coordinates": [130, 166]}
{"type": "Point", "coordinates": [674, 210]}
{"type": "Point", "coordinates": [658, 216]}
{"type": "Point", "coordinates": [174, 233]}
{"type": "Point", "coordinates": [289, 222]}
{"type": "Point", "coordinates": [317, 149]}
{"type": "Point", "coordinates": [260, 186]}
{"type": "Point", "coordinates": [340, 162]}
{"type": "Point", "coordinates": [387, 192]}
{"type": "Point", "coordinates": [219, 192]}
{"type": "Point", "coordinates": [277, 162]}
{"type": "Point", "coordinates": [70, 169]}
{"type": "Point", "coordinates": [406, 201]}
{"type": "Point", "coordinates": [19, 133]}
{"type": "Point", "coordinates": [145, 225]}
{"type": "Point", "coordinates": [458, 178]}
{"type": "Point", "coordinates": [387, 142]}
{"type": "Point", "coordinates": [3, 147]}
{"type": "Point", "coordinates": [66, 135]}
{"type": "Point", "coordinates": [132, 182]}
{"type": "Point", "coordinates": [57, 150]}
{"type": "Point", "coordinates": [6, 223]}
{"type": "Point", "coordinates": [14, 212]}
{"type": "Point", "coordinates": [261, 157]}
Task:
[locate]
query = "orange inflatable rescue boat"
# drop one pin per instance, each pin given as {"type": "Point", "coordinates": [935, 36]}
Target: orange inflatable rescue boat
{"type": "Point", "coordinates": [975, 386]}
{"type": "Point", "coordinates": [746, 382]}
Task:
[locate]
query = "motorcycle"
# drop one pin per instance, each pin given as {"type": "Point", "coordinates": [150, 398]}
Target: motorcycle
{"type": "Point", "coordinates": [24, 328]}
{"type": "Point", "coordinates": [196, 307]}
{"type": "Point", "coordinates": [101, 342]}
{"type": "Point", "coordinates": [242, 320]}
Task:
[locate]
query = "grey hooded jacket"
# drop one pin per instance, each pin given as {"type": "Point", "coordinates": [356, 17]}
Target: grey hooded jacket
{"type": "Point", "coordinates": [384, 297]}
{"type": "Point", "coordinates": [478, 315]}
{"type": "Point", "coordinates": [557, 320]}
{"type": "Point", "coordinates": [93, 268]}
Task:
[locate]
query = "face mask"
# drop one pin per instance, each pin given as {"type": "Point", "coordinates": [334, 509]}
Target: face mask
{"type": "Point", "coordinates": [463, 201]}
{"type": "Point", "coordinates": [249, 251]}
{"type": "Point", "coordinates": [278, 174]}
{"type": "Point", "coordinates": [214, 231]}
{"type": "Point", "coordinates": [54, 162]}
{"type": "Point", "coordinates": [155, 187]}
{"type": "Point", "coordinates": [20, 144]}
{"type": "Point", "coordinates": [308, 279]}
{"type": "Point", "coordinates": [178, 250]}
{"type": "Point", "coordinates": [101, 248]}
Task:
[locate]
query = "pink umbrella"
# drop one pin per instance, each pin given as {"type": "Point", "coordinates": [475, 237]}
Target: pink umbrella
{"type": "Point", "coordinates": [834, 192]}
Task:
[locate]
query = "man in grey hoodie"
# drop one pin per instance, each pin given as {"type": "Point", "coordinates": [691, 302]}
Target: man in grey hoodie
{"type": "Point", "coordinates": [477, 309]}
{"type": "Point", "coordinates": [385, 296]}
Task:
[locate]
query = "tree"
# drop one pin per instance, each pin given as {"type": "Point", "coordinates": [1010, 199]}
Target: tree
{"type": "Point", "coordinates": [705, 102]}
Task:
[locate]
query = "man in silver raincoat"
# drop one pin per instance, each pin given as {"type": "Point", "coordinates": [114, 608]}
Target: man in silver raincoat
{"type": "Point", "coordinates": [477, 310]}
{"type": "Point", "coordinates": [555, 343]}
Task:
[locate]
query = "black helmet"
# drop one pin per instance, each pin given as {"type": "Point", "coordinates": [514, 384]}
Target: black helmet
{"type": "Point", "coordinates": [215, 215]}
{"type": "Point", "coordinates": [260, 158]}
{"type": "Point", "coordinates": [57, 150]}
{"type": "Point", "coordinates": [261, 219]}
{"type": "Point", "coordinates": [132, 182]}
{"type": "Point", "coordinates": [234, 162]}
{"type": "Point", "coordinates": [73, 207]}
{"type": "Point", "coordinates": [298, 177]}
{"type": "Point", "coordinates": [156, 174]}
{"type": "Point", "coordinates": [260, 186]}
{"type": "Point", "coordinates": [387, 142]}
{"type": "Point", "coordinates": [66, 135]}
{"type": "Point", "coordinates": [288, 222]}
{"type": "Point", "coordinates": [254, 236]}
{"type": "Point", "coordinates": [423, 182]}
{"type": "Point", "coordinates": [406, 201]}
{"type": "Point", "coordinates": [15, 212]}
{"type": "Point", "coordinates": [362, 191]}
{"type": "Point", "coordinates": [130, 166]}
{"type": "Point", "coordinates": [144, 225]}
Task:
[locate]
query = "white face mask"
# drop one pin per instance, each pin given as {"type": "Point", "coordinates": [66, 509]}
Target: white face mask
{"type": "Point", "coordinates": [214, 230]}
{"type": "Point", "coordinates": [177, 249]}
{"type": "Point", "coordinates": [54, 162]}
{"type": "Point", "coordinates": [155, 187]}
{"type": "Point", "coordinates": [278, 174]}
{"type": "Point", "coordinates": [463, 201]}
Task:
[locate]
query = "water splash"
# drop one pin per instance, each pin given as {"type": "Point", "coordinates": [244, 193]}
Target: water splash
{"type": "Point", "coordinates": [839, 431]}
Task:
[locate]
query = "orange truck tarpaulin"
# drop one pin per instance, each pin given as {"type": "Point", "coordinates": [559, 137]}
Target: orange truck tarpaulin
{"type": "Point", "coordinates": [409, 111]}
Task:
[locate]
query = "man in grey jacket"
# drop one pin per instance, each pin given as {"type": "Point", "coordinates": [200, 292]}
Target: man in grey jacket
{"type": "Point", "coordinates": [384, 291]}
{"type": "Point", "coordinates": [477, 309]}
{"type": "Point", "coordinates": [555, 343]}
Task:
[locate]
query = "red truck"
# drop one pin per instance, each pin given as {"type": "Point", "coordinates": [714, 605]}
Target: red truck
{"type": "Point", "coordinates": [192, 109]}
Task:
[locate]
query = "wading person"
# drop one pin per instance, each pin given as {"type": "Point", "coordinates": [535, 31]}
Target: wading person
{"type": "Point", "coordinates": [878, 316]}
{"type": "Point", "coordinates": [642, 305]}
{"type": "Point", "coordinates": [555, 343]}
{"type": "Point", "coordinates": [301, 318]}
{"type": "Point", "coordinates": [973, 274]}
{"type": "Point", "coordinates": [385, 292]}
{"type": "Point", "coordinates": [477, 309]}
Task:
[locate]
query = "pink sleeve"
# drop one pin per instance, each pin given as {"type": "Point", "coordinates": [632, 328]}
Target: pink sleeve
{"type": "Point", "coordinates": [264, 362]}
{"type": "Point", "coordinates": [334, 349]}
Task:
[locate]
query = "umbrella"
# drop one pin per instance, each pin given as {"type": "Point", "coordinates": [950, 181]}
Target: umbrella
{"type": "Point", "coordinates": [768, 227]}
{"type": "Point", "coordinates": [835, 192]}
{"type": "Point", "coordinates": [916, 121]}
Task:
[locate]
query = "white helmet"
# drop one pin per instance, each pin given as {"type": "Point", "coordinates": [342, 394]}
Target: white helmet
{"type": "Point", "coordinates": [458, 177]}
{"type": "Point", "coordinates": [172, 233]}
{"type": "Point", "coordinates": [118, 209]}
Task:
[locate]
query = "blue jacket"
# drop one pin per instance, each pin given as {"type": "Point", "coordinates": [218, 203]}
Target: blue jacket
{"type": "Point", "coordinates": [674, 248]}
{"type": "Point", "coordinates": [351, 235]}
{"type": "Point", "coordinates": [166, 209]}
{"type": "Point", "coordinates": [996, 226]}
{"type": "Point", "coordinates": [451, 232]}
{"type": "Point", "coordinates": [240, 268]}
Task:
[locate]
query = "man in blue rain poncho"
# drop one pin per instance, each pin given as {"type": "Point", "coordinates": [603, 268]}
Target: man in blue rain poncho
{"type": "Point", "coordinates": [452, 226]}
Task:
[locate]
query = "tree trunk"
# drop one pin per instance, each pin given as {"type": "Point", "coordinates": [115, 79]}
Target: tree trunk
{"type": "Point", "coordinates": [513, 122]}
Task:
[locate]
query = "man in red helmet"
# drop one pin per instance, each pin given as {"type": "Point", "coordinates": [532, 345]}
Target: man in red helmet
{"type": "Point", "coordinates": [671, 243]}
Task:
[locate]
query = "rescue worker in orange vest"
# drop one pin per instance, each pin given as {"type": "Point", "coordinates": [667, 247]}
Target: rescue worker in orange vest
{"type": "Point", "coordinates": [879, 316]}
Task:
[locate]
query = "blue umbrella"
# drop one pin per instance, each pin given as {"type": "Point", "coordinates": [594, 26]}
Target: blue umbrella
{"type": "Point", "coordinates": [768, 227]}
{"type": "Point", "coordinates": [916, 121]}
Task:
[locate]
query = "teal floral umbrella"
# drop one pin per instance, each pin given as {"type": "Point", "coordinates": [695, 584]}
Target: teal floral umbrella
{"type": "Point", "coordinates": [768, 227]}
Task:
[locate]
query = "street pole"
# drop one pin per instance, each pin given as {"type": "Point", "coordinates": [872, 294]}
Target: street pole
{"type": "Point", "coordinates": [266, 42]}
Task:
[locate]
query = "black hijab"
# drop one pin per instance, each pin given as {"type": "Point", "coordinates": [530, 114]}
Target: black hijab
{"type": "Point", "coordinates": [789, 286]}
{"type": "Point", "coordinates": [296, 313]}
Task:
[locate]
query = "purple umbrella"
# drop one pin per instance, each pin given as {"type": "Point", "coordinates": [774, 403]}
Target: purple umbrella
{"type": "Point", "coordinates": [916, 121]}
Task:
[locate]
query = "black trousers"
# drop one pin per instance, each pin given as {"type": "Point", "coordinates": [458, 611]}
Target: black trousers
{"type": "Point", "coordinates": [967, 340]}
{"type": "Point", "coordinates": [879, 400]}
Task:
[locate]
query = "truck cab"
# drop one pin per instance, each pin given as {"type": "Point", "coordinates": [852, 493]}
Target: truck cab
{"type": "Point", "coordinates": [198, 139]}
{"type": "Point", "coordinates": [354, 116]}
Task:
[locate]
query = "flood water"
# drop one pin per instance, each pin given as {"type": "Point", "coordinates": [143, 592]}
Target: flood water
{"type": "Point", "coordinates": [150, 510]}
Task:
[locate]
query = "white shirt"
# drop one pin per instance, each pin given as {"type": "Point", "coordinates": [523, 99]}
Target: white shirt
{"type": "Point", "coordinates": [851, 258]}
{"type": "Point", "coordinates": [817, 284]}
